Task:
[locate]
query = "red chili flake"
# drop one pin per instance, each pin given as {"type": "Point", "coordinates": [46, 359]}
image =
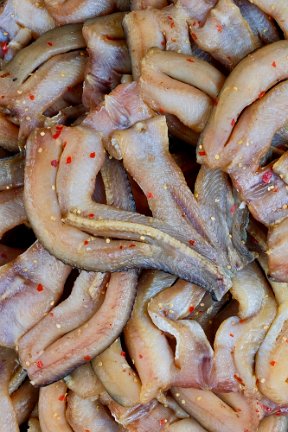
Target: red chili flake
{"type": "Point", "coordinates": [39, 364]}
{"type": "Point", "coordinates": [31, 97]}
{"type": "Point", "coordinates": [50, 43]}
{"type": "Point", "coordinates": [54, 163]}
{"type": "Point", "coordinates": [62, 398]}
{"type": "Point", "coordinates": [4, 46]}
{"type": "Point", "coordinates": [266, 408]}
{"type": "Point", "coordinates": [237, 378]}
{"type": "Point", "coordinates": [261, 94]}
{"type": "Point", "coordinates": [87, 357]}
{"type": "Point", "coordinates": [241, 321]}
{"type": "Point", "coordinates": [140, 356]}
{"type": "Point", "coordinates": [150, 195]}
{"type": "Point", "coordinates": [5, 75]}
{"type": "Point", "coordinates": [238, 410]}
{"type": "Point", "coordinates": [191, 309]}
{"type": "Point", "coordinates": [233, 122]}
{"type": "Point", "coordinates": [272, 362]}
{"type": "Point", "coordinates": [92, 155]}
{"type": "Point", "coordinates": [274, 64]}
{"type": "Point", "coordinates": [120, 247]}
{"type": "Point", "coordinates": [68, 160]}
{"type": "Point", "coordinates": [163, 43]}
{"type": "Point", "coordinates": [123, 353]}
{"type": "Point", "coordinates": [40, 287]}
{"type": "Point", "coordinates": [193, 35]}
{"type": "Point", "coordinates": [219, 28]}
{"type": "Point", "coordinates": [172, 24]}
{"type": "Point", "coordinates": [162, 422]}
{"type": "Point", "coordinates": [233, 208]}
{"type": "Point", "coordinates": [91, 215]}
{"type": "Point", "coordinates": [86, 242]}
{"type": "Point", "coordinates": [190, 60]}
{"type": "Point", "coordinates": [215, 101]}
{"type": "Point", "coordinates": [132, 245]}
{"type": "Point", "coordinates": [191, 242]}
{"type": "Point", "coordinates": [231, 334]}
{"type": "Point", "coordinates": [86, 430]}
{"type": "Point", "coordinates": [58, 132]}
{"type": "Point", "coordinates": [275, 189]}
{"type": "Point", "coordinates": [267, 177]}
{"type": "Point", "coordinates": [161, 111]}
{"type": "Point", "coordinates": [202, 153]}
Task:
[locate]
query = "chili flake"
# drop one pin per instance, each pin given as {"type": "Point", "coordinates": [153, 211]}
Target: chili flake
{"type": "Point", "coordinates": [162, 422]}
{"type": "Point", "coordinates": [190, 60]}
{"type": "Point", "coordinates": [274, 64]}
{"type": "Point", "coordinates": [172, 24]}
{"type": "Point", "coordinates": [267, 177]}
{"type": "Point", "coordinates": [86, 242]}
{"type": "Point", "coordinates": [123, 354]}
{"type": "Point", "coordinates": [231, 334]}
{"type": "Point", "coordinates": [54, 163]}
{"type": "Point", "coordinates": [163, 43]}
{"type": "Point", "coordinates": [191, 242]}
{"type": "Point", "coordinates": [31, 97]}
{"type": "Point", "coordinates": [202, 153]}
{"type": "Point", "coordinates": [5, 75]}
{"type": "Point", "coordinates": [132, 245]}
{"type": "Point", "coordinates": [68, 160]}
{"type": "Point", "coordinates": [272, 362]}
{"type": "Point", "coordinates": [87, 357]}
{"type": "Point", "coordinates": [233, 122]}
{"type": "Point", "coordinates": [237, 378]}
{"type": "Point", "coordinates": [39, 364]}
{"type": "Point", "coordinates": [150, 195]}
{"type": "Point", "coordinates": [233, 208]}
{"type": "Point", "coordinates": [4, 46]}
{"type": "Point", "coordinates": [193, 35]}
{"type": "Point", "coordinates": [91, 215]}
{"type": "Point", "coordinates": [191, 309]}
{"type": "Point", "coordinates": [58, 132]}
{"type": "Point", "coordinates": [219, 28]}
{"type": "Point", "coordinates": [140, 356]}
{"type": "Point", "coordinates": [40, 287]}
{"type": "Point", "coordinates": [215, 101]}
{"type": "Point", "coordinates": [50, 43]}
{"type": "Point", "coordinates": [62, 397]}
{"type": "Point", "coordinates": [261, 94]}
{"type": "Point", "coordinates": [92, 155]}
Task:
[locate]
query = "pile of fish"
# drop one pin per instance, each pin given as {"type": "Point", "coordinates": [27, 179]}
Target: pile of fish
{"type": "Point", "coordinates": [144, 216]}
